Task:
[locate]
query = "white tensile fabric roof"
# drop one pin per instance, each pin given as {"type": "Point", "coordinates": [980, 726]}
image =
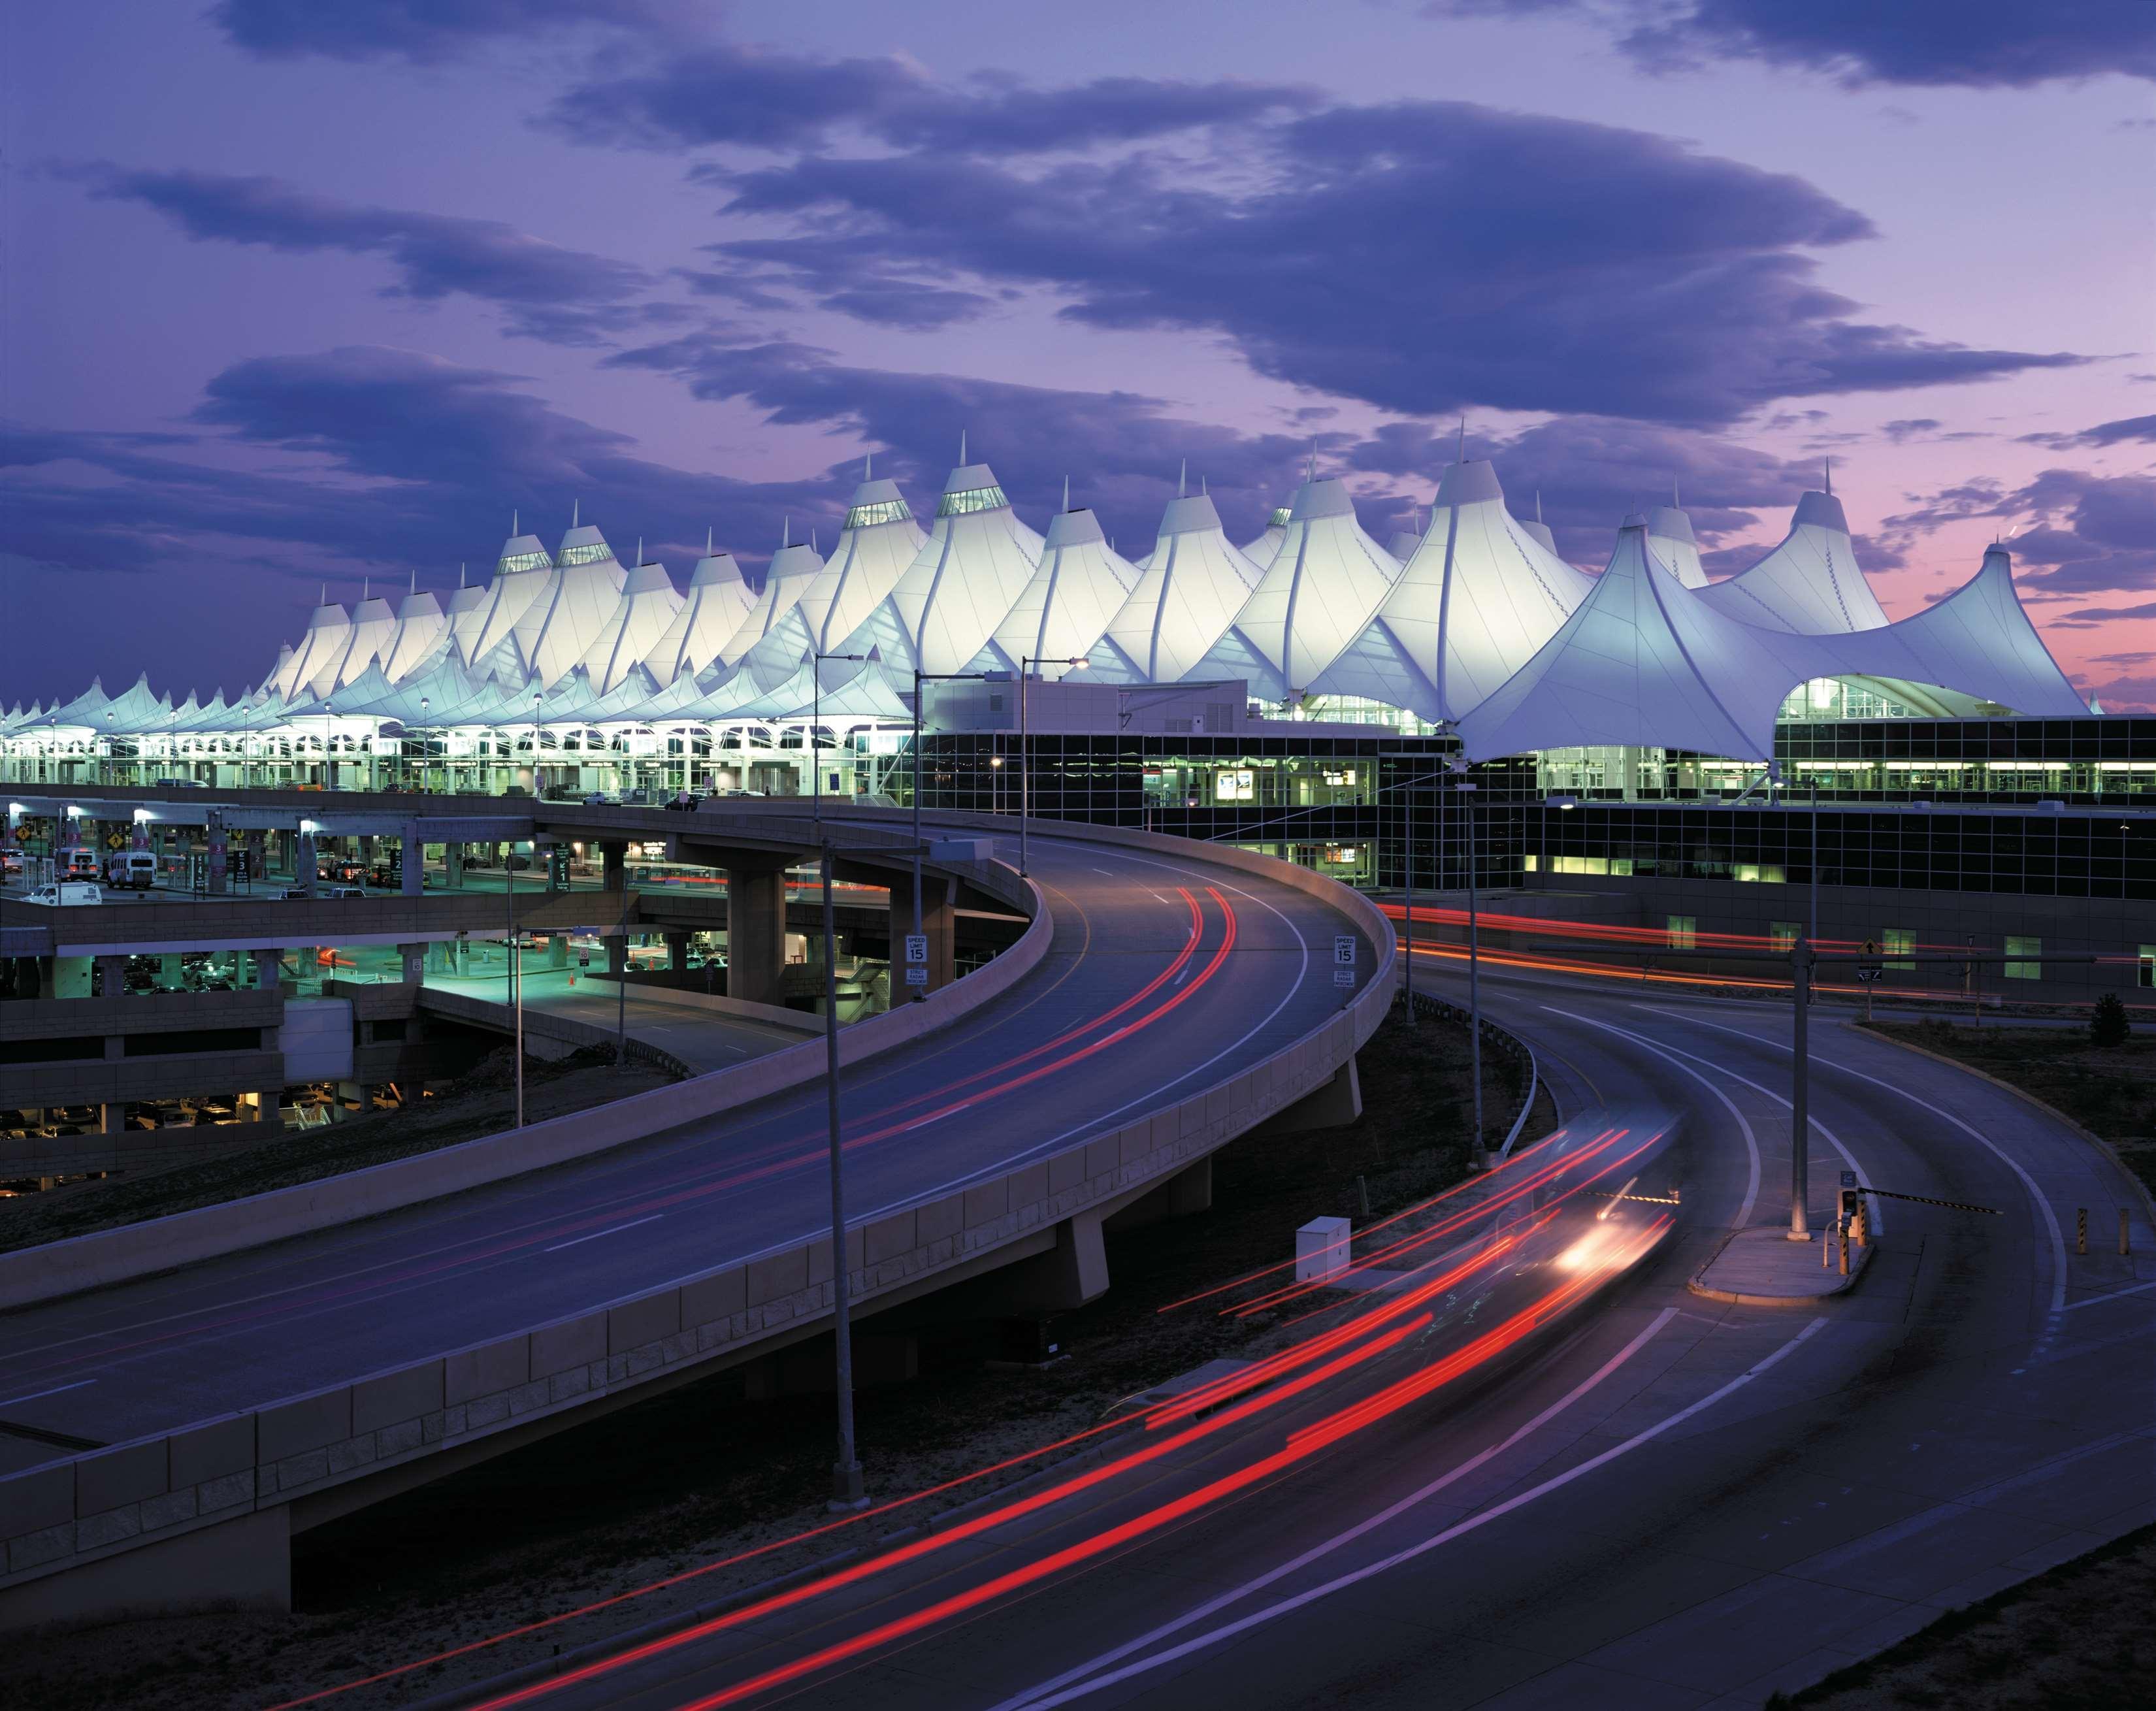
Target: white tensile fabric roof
{"type": "Point", "coordinates": [558, 628]}
{"type": "Point", "coordinates": [1670, 538]}
{"type": "Point", "coordinates": [719, 602]}
{"type": "Point", "coordinates": [1403, 544]}
{"type": "Point", "coordinates": [467, 615]}
{"type": "Point", "coordinates": [641, 617]}
{"type": "Point", "coordinates": [314, 665]}
{"type": "Point", "coordinates": [1260, 550]}
{"type": "Point", "coordinates": [1480, 595]}
{"type": "Point", "coordinates": [522, 575]}
{"type": "Point", "coordinates": [373, 630]}
{"type": "Point", "coordinates": [1646, 661]}
{"type": "Point", "coordinates": [1643, 660]}
{"type": "Point", "coordinates": [977, 560]}
{"type": "Point", "coordinates": [1189, 589]}
{"type": "Point", "coordinates": [1322, 586]}
{"type": "Point", "coordinates": [786, 579]}
{"type": "Point", "coordinates": [1080, 584]}
{"type": "Point", "coordinates": [1809, 584]}
{"type": "Point", "coordinates": [422, 629]}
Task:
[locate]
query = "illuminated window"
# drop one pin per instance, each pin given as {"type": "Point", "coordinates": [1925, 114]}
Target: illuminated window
{"type": "Point", "coordinates": [2019, 945]}
{"type": "Point", "coordinates": [523, 560]}
{"type": "Point", "coordinates": [1235, 785]}
{"type": "Point", "coordinates": [586, 555]}
{"type": "Point", "coordinates": [2148, 965]}
{"type": "Point", "coordinates": [1279, 519]}
{"type": "Point", "coordinates": [1898, 941]}
{"type": "Point", "coordinates": [1783, 933]}
{"type": "Point", "coordinates": [1684, 931]}
{"type": "Point", "coordinates": [972, 499]}
{"type": "Point", "coordinates": [887, 511]}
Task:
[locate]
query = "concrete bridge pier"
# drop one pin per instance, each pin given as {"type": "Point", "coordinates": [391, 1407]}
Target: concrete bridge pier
{"type": "Point", "coordinates": [412, 856]}
{"type": "Point", "coordinates": [756, 929]}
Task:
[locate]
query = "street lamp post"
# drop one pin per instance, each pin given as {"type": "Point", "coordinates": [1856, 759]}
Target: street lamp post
{"type": "Point", "coordinates": [1478, 1157]}
{"type": "Point", "coordinates": [1800, 960]}
{"type": "Point", "coordinates": [1025, 664]}
{"type": "Point", "coordinates": [816, 724]}
{"type": "Point", "coordinates": [846, 1490]}
{"type": "Point", "coordinates": [920, 677]}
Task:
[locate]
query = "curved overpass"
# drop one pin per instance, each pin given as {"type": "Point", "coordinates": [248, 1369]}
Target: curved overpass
{"type": "Point", "coordinates": [1185, 994]}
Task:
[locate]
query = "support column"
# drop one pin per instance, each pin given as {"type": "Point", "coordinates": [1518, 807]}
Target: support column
{"type": "Point", "coordinates": [112, 977]}
{"type": "Point", "coordinates": [269, 970]}
{"type": "Point", "coordinates": [439, 956]}
{"type": "Point", "coordinates": [70, 977]}
{"type": "Point", "coordinates": [677, 952]}
{"type": "Point", "coordinates": [170, 977]}
{"type": "Point", "coordinates": [219, 855]}
{"type": "Point", "coordinates": [614, 865]}
{"type": "Point", "coordinates": [557, 949]}
{"type": "Point", "coordinates": [756, 932]}
{"type": "Point", "coordinates": [303, 864]}
{"type": "Point", "coordinates": [413, 857]}
{"type": "Point", "coordinates": [413, 960]}
{"type": "Point", "coordinates": [939, 917]}
{"type": "Point", "coordinates": [613, 872]}
{"type": "Point", "coordinates": [112, 1117]}
{"type": "Point", "coordinates": [453, 860]}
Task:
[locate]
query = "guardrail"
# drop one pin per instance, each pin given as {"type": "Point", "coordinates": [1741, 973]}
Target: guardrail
{"type": "Point", "coordinates": [1504, 1044]}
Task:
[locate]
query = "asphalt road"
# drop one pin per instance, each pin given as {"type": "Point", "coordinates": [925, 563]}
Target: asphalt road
{"type": "Point", "coordinates": [1674, 1503]}
{"type": "Point", "coordinates": [282, 1320]}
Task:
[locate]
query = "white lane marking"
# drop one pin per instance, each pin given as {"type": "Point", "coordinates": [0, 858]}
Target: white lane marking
{"type": "Point", "coordinates": [1877, 1213]}
{"type": "Point", "coordinates": [2037, 1196]}
{"type": "Point", "coordinates": [1110, 871]}
{"type": "Point", "coordinates": [1751, 1141]}
{"type": "Point", "coordinates": [2085, 1300]}
{"type": "Point", "coordinates": [1030, 1696]}
{"type": "Point", "coordinates": [595, 1235]}
{"type": "Point", "coordinates": [80, 1383]}
{"type": "Point", "coordinates": [1286, 1606]}
{"type": "Point", "coordinates": [1182, 976]}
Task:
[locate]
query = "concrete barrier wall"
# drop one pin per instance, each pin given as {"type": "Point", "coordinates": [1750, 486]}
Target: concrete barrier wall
{"type": "Point", "coordinates": [487, 1012]}
{"type": "Point", "coordinates": [139, 1250]}
{"type": "Point", "coordinates": [73, 1513]}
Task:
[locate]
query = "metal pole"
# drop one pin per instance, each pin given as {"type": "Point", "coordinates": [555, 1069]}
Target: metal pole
{"type": "Point", "coordinates": [846, 1490]}
{"type": "Point", "coordinates": [1024, 763]}
{"type": "Point", "coordinates": [515, 964]}
{"type": "Point", "coordinates": [815, 721]}
{"type": "Point", "coordinates": [1479, 1158]}
{"type": "Point", "coordinates": [1800, 1079]}
{"type": "Point", "coordinates": [919, 994]}
{"type": "Point", "coordinates": [1814, 860]}
{"type": "Point", "coordinates": [1407, 915]}
{"type": "Point", "coordinates": [621, 986]}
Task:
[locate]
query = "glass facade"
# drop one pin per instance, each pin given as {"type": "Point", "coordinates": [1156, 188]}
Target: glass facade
{"type": "Point", "coordinates": [887, 511]}
{"type": "Point", "coordinates": [593, 554]}
{"type": "Point", "coordinates": [524, 560]}
{"type": "Point", "coordinates": [972, 499]}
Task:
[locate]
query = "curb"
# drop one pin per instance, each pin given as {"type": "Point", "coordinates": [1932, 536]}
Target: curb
{"type": "Point", "coordinates": [2141, 1188]}
{"type": "Point", "coordinates": [1860, 1259]}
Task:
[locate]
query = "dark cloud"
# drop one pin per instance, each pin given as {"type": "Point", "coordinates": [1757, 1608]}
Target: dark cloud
{"type": "Point", "coordinates": [2141, 429]}
{"type": "Point", "coordinates": [2073, 531]}
{"type": "Point", "coordinates": [1420, 256]}
{"type": "Point", "coordinates": [2090, 617]}
{"type": "Point", "coordinates": [422, 30]}
{"type": "Point", "coordinates": [566, 296]}
{"type": "Point", "coordinates": [1975, 43]}
{"type": "Point", "coordinates": [1910, 428]}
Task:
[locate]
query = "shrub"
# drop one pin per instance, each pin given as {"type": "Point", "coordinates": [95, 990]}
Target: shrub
{"type": "Point", "coordinates": [2107, 1022]}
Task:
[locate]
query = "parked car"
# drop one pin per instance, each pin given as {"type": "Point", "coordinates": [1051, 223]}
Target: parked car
{"type": "Point", "coordinates": [67, 894]}
{"type": "Point", "coordinates": [345, 890]}
{"type": "Point", "coordinates": [291, 891]}
{"type": "Point", "coordinates": [11, 863]}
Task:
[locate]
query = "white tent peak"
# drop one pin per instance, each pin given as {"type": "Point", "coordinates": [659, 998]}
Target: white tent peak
{"type": "Point", "coordinates": [1670, 538]}
{"type": "Point", "coordinates": [1810, 583]}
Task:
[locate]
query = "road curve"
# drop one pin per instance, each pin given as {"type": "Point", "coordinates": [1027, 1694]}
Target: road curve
{"type": "Point", "coordinates": [1676, 1504]}
{"type": "Point", "coordinates": [1167, 972]}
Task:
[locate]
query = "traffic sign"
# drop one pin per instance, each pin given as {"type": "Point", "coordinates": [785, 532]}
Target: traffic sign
{"type": "Point", "coordinates": [1343, 977]}
{"type": "Point", "coordinates": [917, 977]}
{"type": "Point", "coordinates": [115, 840]}
{"type": "Point", "coordinates": [1849, 1178]}
{"type": "Point", "coordinates": [1343, 949]}
{"type": "Point", "coordinates": [916, 949]}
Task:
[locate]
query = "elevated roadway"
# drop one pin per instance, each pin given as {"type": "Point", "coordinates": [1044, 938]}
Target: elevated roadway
{"type": "Point", "coordinates": [1183, 995]}
{"type": "Point", "coordinates": [1674, 1503]}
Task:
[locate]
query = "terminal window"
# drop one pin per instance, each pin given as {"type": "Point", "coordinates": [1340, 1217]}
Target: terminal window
{"type": "Point", "coordinates": [1783, 933]}
{"type": "Point", "coordinates": [1898, 941]}
{"type": "Point", "coordinates": [2019, 946]}
{"type": "Point", "coordinates": [2148, 965]}
{"type": "Point", "coordinates": [1684, 931]}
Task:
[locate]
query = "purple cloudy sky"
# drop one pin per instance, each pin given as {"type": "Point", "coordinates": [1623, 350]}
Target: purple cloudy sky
{"type": "Point", "coordinates": [298, 292]}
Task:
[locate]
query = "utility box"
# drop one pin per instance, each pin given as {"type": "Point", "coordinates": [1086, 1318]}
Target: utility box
{"type": "Point", "coordinates": [1321, 1249]}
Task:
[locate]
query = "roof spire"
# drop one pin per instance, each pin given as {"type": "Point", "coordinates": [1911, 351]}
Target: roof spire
{"type": "Point", "coordinates": [326, 593]}
{"type": "Point", "coordinates": [415, 578]}
{"type": "Point", "coordinates": [1182, 478]}
{"type": "Point", "coordinates": [962, 447]}
{"type": "Point", "coordinates": [639, 552]}
{"type": "Point", "coordinates": [575, 512]}
{"type": "Point", "coordinates": [868, 467]}
{"type": "Point", "coordinates": [1676, 503]}
{"type": "Point", "coordinates": [512, 522]}
{"type": "Point", "coordinates": [1539, 505]}
{"type": "Point", "coordinates": [1462, 458]}
{"type": "Point", "coordinates": [366, 588]}
{"type": "Point", "coordinates": [1067, 493]}
{"type": "Point", "coordinates": [812, 540]}
{"type": "Point", "coordinates": [1830, 474]}
{"type": "Point", "coordinates": [709, 532]}
{"type": "Point", "coordinates": [786, 532]}
{"type": "Point", "coordinates": [460, 572]}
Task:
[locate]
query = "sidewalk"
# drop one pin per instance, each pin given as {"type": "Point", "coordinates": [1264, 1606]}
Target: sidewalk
{"type": "Point", "coordinates": [1760, 1267]}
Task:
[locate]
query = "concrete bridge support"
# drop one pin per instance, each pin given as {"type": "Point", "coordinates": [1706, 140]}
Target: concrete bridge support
{"type": "Point", "coordinates": [756, 931]}
{"type": "Point", "coordinates": [412, 856]}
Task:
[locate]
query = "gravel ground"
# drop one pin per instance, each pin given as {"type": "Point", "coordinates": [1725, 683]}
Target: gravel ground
{"type": "Point", "coordinates": [700, 1475]}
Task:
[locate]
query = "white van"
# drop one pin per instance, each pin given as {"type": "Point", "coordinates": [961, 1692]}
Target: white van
{"type": "Point", "coordinates": [131, 869]}
{"type": "Point", "coordinates": [67, 894]}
